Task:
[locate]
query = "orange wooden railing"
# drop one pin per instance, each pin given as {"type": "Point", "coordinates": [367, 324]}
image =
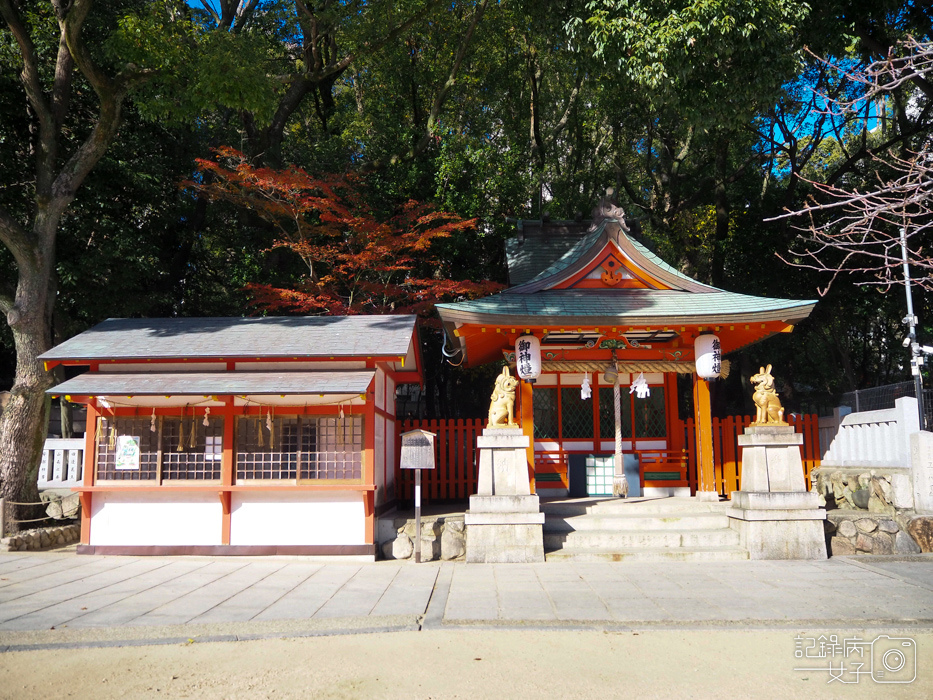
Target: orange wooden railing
{"type": "Point", "coordinates": [454, 477]}
{"type": "Point", "coordinates": [551, 469]}
{"type": "Point", "coordinates": [670, 461]}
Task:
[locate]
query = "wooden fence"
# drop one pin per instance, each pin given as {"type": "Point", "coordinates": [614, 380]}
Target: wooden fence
{"type": "Point", "coordinates": [726, 453]}
{"type": "Point", "coordinates": [454, 478]}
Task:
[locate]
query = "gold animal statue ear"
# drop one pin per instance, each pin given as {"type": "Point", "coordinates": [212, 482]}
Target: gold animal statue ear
{"type": "Point", "coordinates": [768, 371]}
{"type": "Point", "coordinates": [761, 370]}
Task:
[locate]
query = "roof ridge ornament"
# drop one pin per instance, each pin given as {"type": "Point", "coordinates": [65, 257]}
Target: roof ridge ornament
{"type": "Point", "coordinates": [609, 209]}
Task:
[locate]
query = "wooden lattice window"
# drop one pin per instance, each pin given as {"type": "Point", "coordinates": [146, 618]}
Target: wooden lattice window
{"type": "Point", "coordinates": [300, 448]}
{"type": "Point", "coordinates": [576, 414]}
{"type": "Point", "coordinates": [544, 402]}
{"type": "Point", "coordinates": [649, 416]}
{"type": "Point", "coordinates": [191, 450]}
{"type": "Point", "coordinates": [607, 416]}
{"type": "Point", "coordinates": [109, 434]}
{"type": "Point", "coordinates": [128, 449]}
{"type": "Point", "coordinates": [643, 418]}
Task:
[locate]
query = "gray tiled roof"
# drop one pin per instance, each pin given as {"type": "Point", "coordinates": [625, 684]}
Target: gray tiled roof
{"type": "Point", "coordinates": [579, 248]}
{"type": "Point", "coordinates": [526, 258]}
{"type": "Point", "coordinates": [272, 336]}
{"type": "Point", "coordinates": [630, 306]}
{"type": "Point", "coordinates": [214, 383]}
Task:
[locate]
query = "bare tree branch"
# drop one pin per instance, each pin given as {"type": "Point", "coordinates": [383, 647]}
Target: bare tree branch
{"type": "Point", "coordinates": [858, 229]}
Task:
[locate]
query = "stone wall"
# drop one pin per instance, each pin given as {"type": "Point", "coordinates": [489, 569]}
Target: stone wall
{"type": "Point", "coordinates": [442, 537]}
{"type": "Point", "coordinates": [857, 532]}
{"type": "Point", "coordinates": [43, 538]}
{"type": "Point", "coordinates": [870, 511]}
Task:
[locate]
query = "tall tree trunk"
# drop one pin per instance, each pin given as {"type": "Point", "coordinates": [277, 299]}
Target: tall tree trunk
{"type": "Point", "coordinates": [32, 241]}
{"type": "Point", "coordinates": [24, 421]}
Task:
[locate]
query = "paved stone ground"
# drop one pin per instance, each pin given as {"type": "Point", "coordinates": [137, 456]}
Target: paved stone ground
{"type": "Point", "coordinates": [59, 598]}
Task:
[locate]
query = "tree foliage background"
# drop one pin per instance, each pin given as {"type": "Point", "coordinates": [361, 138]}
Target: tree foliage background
{"type": "Point", "coordinates": [700, 114]}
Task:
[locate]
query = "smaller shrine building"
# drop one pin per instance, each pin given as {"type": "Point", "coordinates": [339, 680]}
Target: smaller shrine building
{"type": "Point", "coordinates": [267, 435]}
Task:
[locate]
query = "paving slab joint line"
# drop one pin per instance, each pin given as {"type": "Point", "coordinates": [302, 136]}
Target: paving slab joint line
{"type": "Point", "coordinates": [433, 617]}
{"type": "Point", "coordinates": [857, 562]}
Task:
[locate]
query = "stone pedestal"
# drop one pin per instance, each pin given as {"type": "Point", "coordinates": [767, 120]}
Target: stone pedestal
{"type": "Point", "coordinates": [774, 514]}
{"type": "Point", "coordinates": [504, 523]}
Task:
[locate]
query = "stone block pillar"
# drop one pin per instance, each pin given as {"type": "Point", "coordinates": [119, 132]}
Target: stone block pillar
{"type": "Point", "coordinates": [504, 523]}
{"type": "Point", "coordinates": [774, 514]}
{"type": "Point", "coordinates": [921, 465]}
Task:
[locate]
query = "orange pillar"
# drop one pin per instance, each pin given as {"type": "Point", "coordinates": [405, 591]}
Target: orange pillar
{"type": "Point", "coordinates": [369, 463]}
{"type": "Point", "coordinates": [227, 467]}
{"type": "Point", "coordinates": [527, 422]}
{"type": "Point", "coordinates": [90, 466]}
{"type": "Point", "coordinates": [706, 478]}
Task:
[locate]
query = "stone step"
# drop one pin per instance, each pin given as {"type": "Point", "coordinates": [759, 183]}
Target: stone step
{"type": "Point", "coordinates": [630, 506]}
{"type": "Point", "coordinates": [626, 522]}
{"type": "Point", "coordinates": [610, 539]}
{"type": "Point", "coordinates": [647, 554]}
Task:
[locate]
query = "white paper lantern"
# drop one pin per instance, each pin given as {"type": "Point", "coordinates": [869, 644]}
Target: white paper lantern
{"type": "Point", "coordinates": [528, 357]}
{"type": "Point", "coordinates": [708, 353]}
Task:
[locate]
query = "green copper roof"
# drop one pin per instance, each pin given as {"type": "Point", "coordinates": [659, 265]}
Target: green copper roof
{"type": "Point", "coordinates": [635, 306]}
{"type": "Point", "coordinates": [579, 250]}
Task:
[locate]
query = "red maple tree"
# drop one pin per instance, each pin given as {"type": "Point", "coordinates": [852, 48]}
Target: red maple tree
{"type": "Point", "coordinates": [356, 262]}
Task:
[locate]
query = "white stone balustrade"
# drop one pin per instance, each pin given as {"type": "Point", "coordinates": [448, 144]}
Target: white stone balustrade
{"type": "Point", "coordinates": [874, 438]}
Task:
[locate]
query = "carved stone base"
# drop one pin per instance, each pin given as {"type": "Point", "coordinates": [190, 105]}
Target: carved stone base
{"type": "Point", "coordinates": [779, 525]}
{"type": "Point", "coordinates": [504, 523]}
{"type": "Point", "coordinates": [771, 459]}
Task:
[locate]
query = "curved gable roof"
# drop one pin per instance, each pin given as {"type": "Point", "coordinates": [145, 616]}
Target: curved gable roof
{"type": "Point", "coordinates": [609, 232]}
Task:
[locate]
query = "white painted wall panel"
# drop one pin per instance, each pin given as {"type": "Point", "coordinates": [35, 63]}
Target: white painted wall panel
{"type": "Point", "coordinates": [308, 518]}
{"type": "Point", "coordinates": [380, 453]}
{"type": "Point", "coordinates": [323, 365]}
{"type": "Point", "coordinates": [380, 389]}
{"type": "Point", "coordinates": [147, 519]}
{"type": "Point", "coordinates": [390, 396]}
{"type": "Point", "coordinates": [391, 456]}
{"type": "Point", "coordinates": [163, 367]}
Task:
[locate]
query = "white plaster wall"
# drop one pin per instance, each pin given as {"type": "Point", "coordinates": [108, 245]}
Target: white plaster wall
{"type": "Point", "coordinates": [146, 519]}
{"type": "Point", "coordinates": [163, 367]}
{"type": "Point", "coordinates": [283, 518]}
{"type": "Point", "coordinates": [380, 389]}
{"type": "Point", "coordinates": [325, 365]}
{"type": "Point", "coordinates": [573, 445]}
{"type": "Point", "coordinates": [391, 457]}
{"type": "Point", "coordinates": [380, 450]}
{"type": "Point", "coordinates": [390, 396]}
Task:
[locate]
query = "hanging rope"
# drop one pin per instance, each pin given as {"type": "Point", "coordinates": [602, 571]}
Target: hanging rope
{"type": "Point", "coordinates": [618, 466]}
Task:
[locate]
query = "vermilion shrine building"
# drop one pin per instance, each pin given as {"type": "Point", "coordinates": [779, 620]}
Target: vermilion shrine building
{"type": "Point", "coordinates": [597, 298]}
{"type": "Point", "coordinates": [238, 435]}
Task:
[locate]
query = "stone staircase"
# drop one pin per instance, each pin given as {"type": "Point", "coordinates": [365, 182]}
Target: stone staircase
{"type": "Point", "coordinates": [639, 529]}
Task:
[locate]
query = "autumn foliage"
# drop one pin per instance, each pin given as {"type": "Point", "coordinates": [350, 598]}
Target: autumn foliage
{"type": "Point", "coordinates": [357, 263]}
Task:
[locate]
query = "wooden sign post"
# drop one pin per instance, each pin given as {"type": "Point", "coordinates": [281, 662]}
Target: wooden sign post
{"type": "Point", "coordinates": [417, 453]}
